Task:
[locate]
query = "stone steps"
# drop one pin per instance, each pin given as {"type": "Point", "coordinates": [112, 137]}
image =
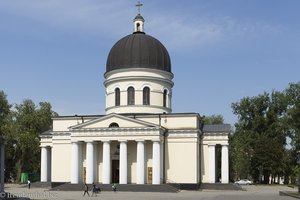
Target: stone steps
{"type": "Point", "coordinates": [121, 187]}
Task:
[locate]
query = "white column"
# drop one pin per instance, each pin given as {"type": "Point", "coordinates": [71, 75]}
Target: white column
{"type": "Point", "coordinates": [123, 162]}
{"type": "Point", "coordinates": [44, 164]}
{"type": "Point", "coordinates": [212, 163]}
{"type": "Point", "coordinates": [75, 163]}
{"type": "Point", "coordinates": [90, 162]}
{"type": "Point", "coordinates": [95, 162]}
{"type": "Point", "coordinates": [156, 163]}
{"type": "Point", "coordinates": [161, 162]}
{"type": "Point", "coordinates": [106, 163]}
{"type": "Point", "coordinates": [140, 171]}
{"type": "Point", "coordinates": [225, 165]}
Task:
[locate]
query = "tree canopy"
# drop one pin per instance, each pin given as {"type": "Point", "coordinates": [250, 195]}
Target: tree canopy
{"type": "Point", "coordinates": [214, 119]}
{"type": "Point", "coordinates": [21, 125]}
{"type": "Point", "coordinates": [258, 147]}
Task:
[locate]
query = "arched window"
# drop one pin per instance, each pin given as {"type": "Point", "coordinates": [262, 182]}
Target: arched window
{"type": "Point", "coordinates": [130, 96]}
{"type": "Point", "coordinates": [165, 98]}
{"type": "Point", "coordinates": [114, 125]}
{"type": "Point", "coordinates": [117, 97]}
{"type": "Point", "coordinates": [138, 27]}
{"type": "Point", "coordinates": [146, 96]}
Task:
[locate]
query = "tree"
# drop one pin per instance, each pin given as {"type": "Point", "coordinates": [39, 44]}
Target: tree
{"type": "Point", "coordinates": [259, 142]}
{"type": "Point", "coordinates": [293, 113]}
{"type": "Point", "coordinates": [21, 126]}
{"type": "Point", "coordinates": [214, 119]}
{"type": "Point", "coordinates": [30, 121]}
{"type": "Point", "coordinates": [4, 111]}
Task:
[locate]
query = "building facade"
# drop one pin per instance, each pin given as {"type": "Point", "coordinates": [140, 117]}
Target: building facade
{"type": "Point", "coordinates": [139, 140]}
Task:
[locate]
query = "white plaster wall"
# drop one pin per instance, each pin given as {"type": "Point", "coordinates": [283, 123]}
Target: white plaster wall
{"type": "Point", "coordinates": [181, 161]}
{"type": "Point", "coordinates": [62, 124]}
{"type": "Point", "coordinates": [173, 122]}
{"type": "Point", "coordinates": [121, 122]}
{"type": "Point", "coordinates": [204, 163]}
{"type": "Point", "coordinates": [61, 162]}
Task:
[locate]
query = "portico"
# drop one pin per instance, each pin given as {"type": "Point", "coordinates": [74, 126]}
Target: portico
{"type": "Point", "coordinates": [95, 149]}
{"type": "Point", "coordinates": [91, 163]}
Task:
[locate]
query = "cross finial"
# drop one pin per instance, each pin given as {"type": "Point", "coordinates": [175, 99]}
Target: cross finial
{"type": "Point", "coordinates": [139, 6]}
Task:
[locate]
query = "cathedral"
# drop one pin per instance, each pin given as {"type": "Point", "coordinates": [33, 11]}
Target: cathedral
{"type": "Point", "coordinates": [138, 140]}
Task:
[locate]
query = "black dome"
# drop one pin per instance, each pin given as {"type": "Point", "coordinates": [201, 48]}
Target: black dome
{"type": "Point", "coordinates": [138, 50]}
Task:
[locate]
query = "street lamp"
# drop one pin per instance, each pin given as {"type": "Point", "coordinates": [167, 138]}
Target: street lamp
{"type": "Point", "coordinates": [298, 161]}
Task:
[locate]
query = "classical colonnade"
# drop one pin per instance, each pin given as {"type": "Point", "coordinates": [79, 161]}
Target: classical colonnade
{"type": "Point", "coordinates": [91, 162]}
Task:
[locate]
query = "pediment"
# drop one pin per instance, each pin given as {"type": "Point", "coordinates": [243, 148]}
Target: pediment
{"type": "Point", "coordinates": [106, 121]}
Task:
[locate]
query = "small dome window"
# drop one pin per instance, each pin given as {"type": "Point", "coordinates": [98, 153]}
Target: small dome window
{"type": "Point", "coordinates": [117, 97]}
{"type": "Point", "coordinates": [114, 125]}
{"type": "Point", "coordinates": [138, 27]}
{"type": "Point", "coordinates": [146, 96]}
{"type": "Point", "coordinates": [130, 96]}
{"type": "Point", "coordinates": [165, 98]}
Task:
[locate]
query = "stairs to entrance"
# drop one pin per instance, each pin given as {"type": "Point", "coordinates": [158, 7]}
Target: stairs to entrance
{"type": "Point", "coordinates": [123, 188]}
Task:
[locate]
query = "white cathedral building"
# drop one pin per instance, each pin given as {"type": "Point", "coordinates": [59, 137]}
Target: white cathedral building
{"type": "Point", "coordinates": [139, 140]}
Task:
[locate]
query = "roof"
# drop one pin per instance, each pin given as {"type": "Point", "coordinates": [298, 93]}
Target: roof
{"type": "Point", "coordinates": [128, 114]}
{"type": "Point", "coordinates": [138, 50]}
{"type": "Point", "coordinates": [217, 128]}
{"type": "Point", "coordinates": [139, 17]}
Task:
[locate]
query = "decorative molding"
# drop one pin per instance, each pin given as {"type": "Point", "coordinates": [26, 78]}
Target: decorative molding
{"type": "Point", "coordinates": [116, 71]}
{"type": "Point", "coordinates": [168, 110]}
{"type": "Point", "coordinates": [135, 78]}
{"type": "Point", "coordinates": [184, 133]}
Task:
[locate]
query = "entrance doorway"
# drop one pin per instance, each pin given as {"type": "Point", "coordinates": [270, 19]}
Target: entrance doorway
{"type": "Point", "coordinates": [84, 174]}
{"type": "Point", "coordinates": [149, 175]}
{"type": "Point", "coordinates": [115, 171]}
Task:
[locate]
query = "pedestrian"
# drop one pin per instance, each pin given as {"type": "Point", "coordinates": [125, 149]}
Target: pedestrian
{"type": "Point", "coordinates": [86, 190]}
{"type": "Point", "coordinates": [114, 187]}
{"type": "Point", "coordinates": [94, 190]}
{"type": "Point", "coordinates": [28, 183]}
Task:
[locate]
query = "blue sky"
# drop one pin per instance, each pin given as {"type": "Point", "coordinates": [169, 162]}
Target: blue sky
{"type": "Point", "coordinates": [221, 51]}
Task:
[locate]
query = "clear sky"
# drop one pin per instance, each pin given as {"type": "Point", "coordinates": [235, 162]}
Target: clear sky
{"type": "Point", "coordinates": [221, 51]}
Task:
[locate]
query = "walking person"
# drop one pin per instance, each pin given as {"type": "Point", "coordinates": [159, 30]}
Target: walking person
{"type": "Point", "coordinates": [86, 190]}
{"type": "Point", "coordinates": [28, 183]}
{"type": "Point", "coordinates": [114, 187]}
{"type": "Point", "coordinates": [94, 190]}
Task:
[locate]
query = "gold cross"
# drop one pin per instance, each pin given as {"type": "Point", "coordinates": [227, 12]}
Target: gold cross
{"type": "Point", "coordinates": [139, 6]}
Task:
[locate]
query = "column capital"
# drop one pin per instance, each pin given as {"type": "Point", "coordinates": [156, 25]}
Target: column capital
{"type": "Point", "coordinates": [140, 140]}
{"type": "Point", "coordinates": [124, 141]}
{"type": "Point", "coordinates": [106, 141]}
{"type": "Point", "coordinates": [92, 142]}
{"type": "Point", "coordinates": [156, 140]}
{"type": "Point", "coordinates": [224, 145]}
{"type": "Point", "coordinates": [212, 145]}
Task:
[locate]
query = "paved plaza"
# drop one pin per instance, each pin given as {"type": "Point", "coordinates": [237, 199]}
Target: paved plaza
{"type": "Point", "coordinates": [250, 193]}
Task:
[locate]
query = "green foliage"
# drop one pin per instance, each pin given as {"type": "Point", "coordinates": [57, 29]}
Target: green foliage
{"type": "Point", "coordinates": [23, 124]}
{"type": "Point", "coordinates": [4, 111]}
{"type": "Point", "coordinates": [258, 147]}
{"type": "Point", "coordinates": [214, 119]}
